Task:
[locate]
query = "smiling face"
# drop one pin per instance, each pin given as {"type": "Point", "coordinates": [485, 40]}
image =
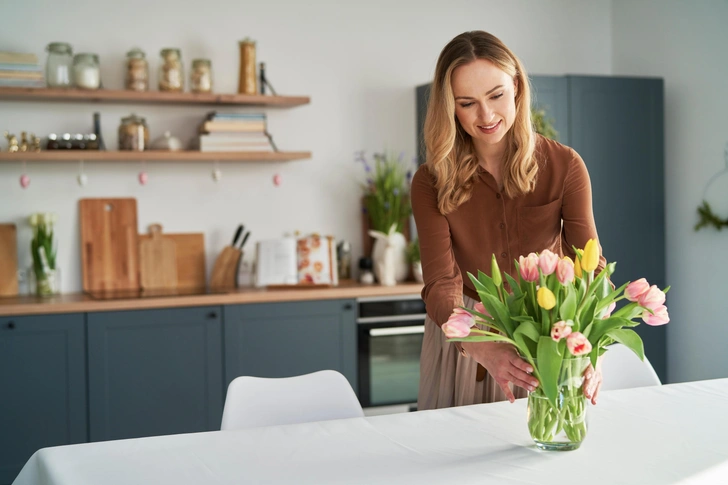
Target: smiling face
{"type": "Point", "coordinates": [484, 102]}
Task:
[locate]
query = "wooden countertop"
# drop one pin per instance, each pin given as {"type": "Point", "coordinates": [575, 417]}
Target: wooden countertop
{"type": "Point", "coordinates": [80, 303]}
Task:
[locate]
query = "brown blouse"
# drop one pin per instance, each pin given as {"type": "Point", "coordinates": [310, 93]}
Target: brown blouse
{"type": "Point", "coordinates": [556, 215]}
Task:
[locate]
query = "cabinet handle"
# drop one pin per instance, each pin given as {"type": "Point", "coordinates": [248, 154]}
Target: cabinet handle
{"type": "Point", "coordinates": [348, 306]}
{"type": "Point", "coordinates": [212, 315]}
{"type": "Point", "coordinates": [11, 325]}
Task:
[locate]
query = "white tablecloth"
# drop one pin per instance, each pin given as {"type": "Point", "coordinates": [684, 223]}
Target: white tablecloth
{"type": "Point", "coordinates": [657, 435]}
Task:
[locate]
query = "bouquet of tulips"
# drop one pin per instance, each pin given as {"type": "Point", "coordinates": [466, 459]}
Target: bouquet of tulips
{"type": "Point", "coordinates": [560, 317]}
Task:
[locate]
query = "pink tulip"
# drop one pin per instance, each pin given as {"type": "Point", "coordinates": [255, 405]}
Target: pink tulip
{"type": "Point", "coordinates": [460, 311]}
{"type": "Point", "coordinates": [636, 289]}
{"type": "Point", "coordinates": [652, 299]}
{"type": "Point", "coordinates": [529, 267]}
{"type": "Point", "coordinates": [480, 308]}
{"type": "Point", "coordinates": [547, 261]}
{"type": "Point", "coordinates": [659, 318]}
{"type": "Point", "coordinates": [610, 309]}
{"type": "Point", "coordinates": [565, 271]}
{"type": "Point", "coordinates": [560, 330]}
{"type": "Point", "coordinates": [458, 325]}
{"type": "Point", "coordinates": [578, 344]}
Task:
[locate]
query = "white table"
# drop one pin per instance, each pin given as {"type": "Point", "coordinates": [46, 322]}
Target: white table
{"type": "Point", "coordinates": [657, 435]}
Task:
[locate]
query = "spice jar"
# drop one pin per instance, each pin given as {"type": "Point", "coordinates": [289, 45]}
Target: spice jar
{"type": "Point", "coordinates": [137, 71]}
{"type": "Point", "coordinates": [246, 77]}
{"type": "Point", "coordinates": [133, 134]}
{"type": "Point", "coordinates": [58, 65]}
{"type": "Point", "coordinates": [201, 76]}
{"type": "Point", "coordinates": [86, 71]}
{"type": "Point", "coordinates": [171, 72]}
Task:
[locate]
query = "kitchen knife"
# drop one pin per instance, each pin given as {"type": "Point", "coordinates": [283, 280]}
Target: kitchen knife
{"type": "Point", "coordinates": [245, 238]}
{"type": "Point", "coordinates": [237, 235]}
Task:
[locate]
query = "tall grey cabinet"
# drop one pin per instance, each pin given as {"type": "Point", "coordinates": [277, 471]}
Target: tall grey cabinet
{"type": "Point", "coordinates": [616, 124]}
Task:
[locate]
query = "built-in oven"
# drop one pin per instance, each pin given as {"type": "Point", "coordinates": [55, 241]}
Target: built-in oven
{"type": "Point", "coordinates": [390, 332]}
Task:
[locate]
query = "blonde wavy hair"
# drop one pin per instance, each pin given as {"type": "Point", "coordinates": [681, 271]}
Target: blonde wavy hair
{"type": "Point", "coordinates": [451, 157]}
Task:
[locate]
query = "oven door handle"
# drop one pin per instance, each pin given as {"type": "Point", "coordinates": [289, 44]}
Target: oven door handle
{"type": "Point", "coordinates": [391, 331]}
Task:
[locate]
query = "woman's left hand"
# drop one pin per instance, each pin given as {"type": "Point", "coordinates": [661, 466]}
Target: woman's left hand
{"type": "Point", "coordinates": [593, 381]}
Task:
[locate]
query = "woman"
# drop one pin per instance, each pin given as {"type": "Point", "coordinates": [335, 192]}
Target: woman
{"type": "Point", "coordinates": [490, 185]}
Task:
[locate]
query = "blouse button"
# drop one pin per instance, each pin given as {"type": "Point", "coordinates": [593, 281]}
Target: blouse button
{"type": "Point", "coordinates": [497, 196]}
{"type": "Point", "coordinates": [503, 255]}
{"type": "Point", "coordinates": [502, 226]}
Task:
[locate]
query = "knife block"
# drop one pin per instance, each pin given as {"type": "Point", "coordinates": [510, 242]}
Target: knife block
{"type": "Point", "coordinates": [225, 271]}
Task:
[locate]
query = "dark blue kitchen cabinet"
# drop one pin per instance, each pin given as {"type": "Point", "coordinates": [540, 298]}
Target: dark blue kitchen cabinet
{"type": "Point", "coordinates": [289, 339]}
{"type": "Point", "coordinates": [42, 386]}
{"type": "Point", "coordinates": [154, 372]}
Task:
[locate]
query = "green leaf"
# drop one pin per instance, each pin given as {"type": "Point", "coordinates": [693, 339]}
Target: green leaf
{"type": "Point", "coordinates": [499, 312]}
{"type": "Point", "coordinates": [586, 315]}
{"type": "Point", "coordinates": [515, 304]}
{"type": "Point", "coordinates": [549, 366]}
{"type": "Point", "coordinates": [483, 338]}
{"type": "Point", "coordinates": [514, 285]}
{"type": "Point", "coordinates": [487, 281]}
{"type": "Point", "coordinates": [527, 329]}
{"type": "Point", "coordinates": [630, 339]}
{"type": "Point", "coordinates": [477, 284]}
{"type": "Point", "coordinates": [601, 327]}
{"type": "Point", "coordinates": [568, 307]}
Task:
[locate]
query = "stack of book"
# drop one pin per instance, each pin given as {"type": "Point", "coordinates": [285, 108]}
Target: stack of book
{"type": "Point", "coordinates": [235, 132]}
{"type": "Point", "coordinates": [20, 70]}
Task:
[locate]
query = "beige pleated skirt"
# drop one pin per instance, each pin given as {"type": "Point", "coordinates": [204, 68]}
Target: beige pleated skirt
{"type": "Point", "coordinates": [448, 379]}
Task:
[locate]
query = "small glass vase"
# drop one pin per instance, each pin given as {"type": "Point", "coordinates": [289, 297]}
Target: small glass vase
{"type": "Point", "coordinates": [44, 284]}
{"type": "Point", "coordinates": [562, 427]}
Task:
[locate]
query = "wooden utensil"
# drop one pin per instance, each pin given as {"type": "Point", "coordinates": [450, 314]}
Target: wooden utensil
{"type": "Point", "coordinates": [109, 244]}
{"type": "Point", "coordinates": [8, 260]}
{"type": "Point", "coordinates": [190, 249]}
{"type": "Point", "coordinates": [157, 260]}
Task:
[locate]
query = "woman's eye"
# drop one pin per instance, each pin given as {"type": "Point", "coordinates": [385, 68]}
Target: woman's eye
{"type": "Point", "coordinates": [497, 96]}
{"type": "Point", "coordinates": [465, 105]}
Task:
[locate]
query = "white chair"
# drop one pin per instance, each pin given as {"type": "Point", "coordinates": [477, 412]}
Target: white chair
{"type": "Point", "coordinates": [622, 369]}
{"type": "Point", "coordinates": [253, 402]}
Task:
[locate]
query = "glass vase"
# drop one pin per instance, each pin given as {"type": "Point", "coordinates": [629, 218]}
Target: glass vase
{"type": "Point", "coordinates": [563, 426]}
{"type": "Point", "coordinates": [44, 284]}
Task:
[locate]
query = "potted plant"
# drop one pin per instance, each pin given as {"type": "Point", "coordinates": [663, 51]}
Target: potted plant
{"type": "Point", "coordinates": [44, 275]}
{"type": "Point", "coordinates": [413, 256]}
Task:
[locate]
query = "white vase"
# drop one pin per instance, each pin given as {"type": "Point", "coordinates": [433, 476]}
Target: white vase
{"type": "Point", "coordinates": [397, 243]}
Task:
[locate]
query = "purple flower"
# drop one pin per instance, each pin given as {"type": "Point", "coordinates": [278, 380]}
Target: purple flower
{"type": "Point", "coordinates": [395, 191]}
{"type": "Point", "coordinates": [370, 181]}
{"type": "Point", "coordinates": [363, 210]}
{"type": "Point", "coordinates": [409, 176]}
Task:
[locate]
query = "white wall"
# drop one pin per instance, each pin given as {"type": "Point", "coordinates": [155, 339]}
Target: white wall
{"type": "Point", "coordinates": [359, 62]}
{"type": "Point", "coordinates": [686, 44]}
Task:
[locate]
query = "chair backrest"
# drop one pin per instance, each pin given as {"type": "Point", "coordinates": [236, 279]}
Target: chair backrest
{"type": "Point", "coordinates": [253, 402]}
{"type": "Point", "coordinates": [622, 369]}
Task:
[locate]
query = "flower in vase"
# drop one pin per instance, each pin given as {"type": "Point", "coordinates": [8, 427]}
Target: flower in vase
{"type": "Point", "coordinates": [659, 317]}
{"type": "Point", "coordinates": [652, 298]}
{"type": "Point", "coordinates": [565, 271]}
{"type": "Point", "coordinates": [548, 261]}
{"type": "Point", "coordinates": [459, 324]}
{"type": "Point", "coordinates": [529, 267]}
{"type": "Point", "coordinates": [578, 344]}
{"type": "Point", "coordinates": [545, 298]}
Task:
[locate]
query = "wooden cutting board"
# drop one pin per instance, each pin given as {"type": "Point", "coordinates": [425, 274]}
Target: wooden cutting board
{"type": "Point", "coordinates": [109, 246]}
{"type": "Point", "coordinates": [8, 260]}
{"type": "Point", "coordinates": [190, 251]}
{"type": "Point", "coordinates": [157, 260]}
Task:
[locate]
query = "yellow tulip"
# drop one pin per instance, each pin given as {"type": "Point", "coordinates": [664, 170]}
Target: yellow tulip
{"type": "Point", "coordinates": [545, 298]}
{"type": "Point", "coordinates": [577, 267]}
{"type": "Point", "coordinates": [590, 260]}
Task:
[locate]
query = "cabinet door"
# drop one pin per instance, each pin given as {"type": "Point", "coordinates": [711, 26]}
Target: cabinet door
{"type": "Point", "coordinates": [617, 128]}
{"type": "Point", "coordinates": [42, 386]}
{"type": "Point", "coordinates": [154, 372]}
{"type": "Point", "coordinates": [289, 339]}
{"type": "Point", "coordinates": [551, 94]}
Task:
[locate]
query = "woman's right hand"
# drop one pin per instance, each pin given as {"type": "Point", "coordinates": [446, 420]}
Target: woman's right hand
{"type": "Point", "coordinates": [503, 363]}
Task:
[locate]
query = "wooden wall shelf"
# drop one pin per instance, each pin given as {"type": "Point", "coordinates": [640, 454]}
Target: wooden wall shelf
{"type": "Point", "coordinates": [150, 156]}
{"type": "Point", "coordinates": [149, 97]}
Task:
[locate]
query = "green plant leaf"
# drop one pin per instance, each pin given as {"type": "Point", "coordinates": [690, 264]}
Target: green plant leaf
{"type": "Point", "coordinates": [513, 285]}
{"type": "Point", "coordinates": [487, 281]}
{"type": "Point", "coordinates": [629, 338]}
{"type": "Point", "coordinates": [515, 304]}
{"type": "Point", "coordinates": [568, 307]}
{"type": "Point", "coordinates": [477, 284]}
{"type": "Point", "coordinates": [601, 327]}
{"type": "Point", "coordinates": [549, 366]}
{"type": "Point", "coordinates": [499, 312]}
{"type": "Point", "coordinates": [483, 338]}
{"type": "Point", "coordinates": [527, 329]}
{"type": "Point", "coordinates": [586, 314]}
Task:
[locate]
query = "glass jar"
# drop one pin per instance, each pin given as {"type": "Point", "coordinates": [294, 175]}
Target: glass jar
{"type": "Point", "coordinates": [86, 71]}
{"type": "Point", "coordinates": [201, 76]}
{"type": "Point", "coordinates": [42, 283]}
{"type": "Point", "coordinates": [171, 70]}
{"type": "Point", "coordinates": [133, 134]}
{"type": "Point", "coordinates": [137, 71]}
{"type": "Point", "coordinates": [58, 65]}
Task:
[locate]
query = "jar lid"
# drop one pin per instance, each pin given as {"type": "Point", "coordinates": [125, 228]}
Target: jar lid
{"type": "Point", "coordinates": [201, 62]}
{"type": "Point", "coordinates": [86, 56]}
{"type": "Point", "coordinates": [169, 51]}
{"type": "Point", "coordinates": [132, 118]}
{"type": "Point", "coordinates": [136, 53]}
{"type": "Point", "coordinates": [60, 47]}
{"type": "Point", "coordinates": [52, 136]}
